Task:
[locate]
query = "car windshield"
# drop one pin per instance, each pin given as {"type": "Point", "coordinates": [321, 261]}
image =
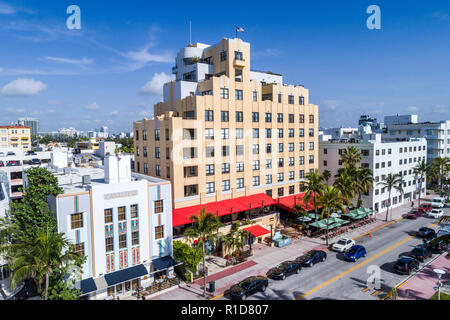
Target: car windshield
{"type": "Point", "coordinates": [244, 285]}
{"type": "Point", "coordinates": [423, 229]}
{"type": "Point", "coordinates": [342, 242]}
{"type": "Point", "coordinates": [352, 250]}
{"type": "Point", "coordinates": [281, 267]}
{"type": "Point", "coordinates": [417, 251]}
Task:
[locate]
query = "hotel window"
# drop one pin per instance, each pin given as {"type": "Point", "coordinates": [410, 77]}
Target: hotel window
{"type": "Point", "coordinates": [255, 164]}
{"type": "Point", "coordinates": [157, 170]}
{"type": "Point", "coordinates": [280, 147]}
{"type": "Point", "coordinates": [108, 216]}
{"type": "Point", "coordinates": [301, 133]}
{"type": "Point", "coordinates": [291, 133]}
{"type": "Point", "coordinates": [268, 179]}
{"type": "Point", "coordinates": [225, 134]}
{"type": "Point", "coordinates": [238, 95]}
{"type": "Point", "coordinates": [209, 152]}
{"type": "Point", "coordinates": [255, 181]}
{"type": "Point", "coordinates": [291, 147]}
{"type": "Point", "coordinates": [239, 133]}
{"type": "Point", "coordinates": [280, 162]}
{"type": "Point", "coordinates": [279, 98]}
{"type": "Point", "coordinates": [79, 249]}
{"type": "Point", "coordinates": [302, 118]}
{"type": "Point", "coordinates": [311, 119]}
{"type": "Point", "coordinates": [226, 185]}
{"type": "Point", "coordinates": [109, 244]}
{"type": "Point", "coordinates": [225, 151]}
{"type": "Point", "coordinates": [291, 99]}
{"type": "Point", "coordinates": [225, 168]}
{"type": "Point", "coordinates": [302, 174]}
{"type": "Point", "coordinates": [159, 206]}
{"type": "Point", "coordinates": [302, 146]}
{"type": "Point", "coordinates": [191, 190]}
{"type": "Point", "coordinates": [144, 135]}
{"type": "Point", "coordinates": [302, 160]}
{"type": "Point", "coordinates": [223, 55]}
{"type": "Point", "coordinates": [255, 149]}
{"type": "Point", "coordinates": [390, 151]}
{"type": "Point", "coordinates": [268, 117]}
{"type": "Point", "coordinates": [311, 146]}
{"type": "Point", "coordinates": [268, 163]}
{"type": "Point", "coordinates": [325, 151]}
{"type": "Point", "coordinates": [159, 232]}
{"type": "Point", "coordinates": [255, 95]}
{"type": "Point", "coordinates": [239, 167]}
{"type": "Point", "coordinates": [291, 161]}
{"type": "Point", "coordinates": [302, 100]}
{"type": "Point", "coordinates": [280, 118]}
{"type": "Point", "coordinates": [280, 133]}
{"type": "Point", "coordinates": [239, 150]}
{"type": "Point", "coordinates": [76, 220]}
{"type": "Point", "coordinates": [311, 132]}
{"type": "Point", "coordinates": [224, 116]}
{"type": "Point", "coordinates": [210, 187]}
{"type": "Point", "coordinates": [280, 177]}
{"type": "Point", "coordinates": [157, 152]}
{"type": "Point", "coordinates": [255, 133]}
{"type": "Point", "coordinates": [240, 183]}
{"type": "Point", "coordinates": [209, 169]}
{"type": "Point", "coordinates": [224, 93]}
{"type": "Point", "coordinates": [291, 175]}
{"type": "Point", "coordinates": [268, 148]}
{"type": "Point", "coordinates": [325, 163]}
{"type": "Point", "coordinates": [135, 238]}
{"type": "Point", "coordinates": [269, 192]}
{"type": "Point", "coordinates": [377, 152]}
{"type": "Point", "coordinates": [167, 135]}
{"type": "Point", "coordinates": [122, 241]}
{"type": "Point", "coordinates": [239, 116]}
{"type": "Point", "coordinates": [291, 118]}
{"type": "Point", "coordinates": [167, 154]}
{"type": "Point", "coordinates": [269, 133]}
{"type": "Point", "coordinates": [157, 134]}
{"type": "Point", "coordinates": [209, 134]}
{"type": "Point", "coordinates": [389, 163]}
{"type": "Point", "coordinates": [255, 116]}
{"type": "Point", "coordinates": [121, 213]}
{"type": "Point", "coordinates": [291, 189]}
{"type": "Point", "coordinates": [383, 152]}
{"type": "Point", "coordinates": [209, 115]}
{"type": "Point", "coordinates": [280, 192]}
{"type": "Point", "coordinates": [238, 55]}
{"type": "Point", "coordinates": [365, 153]}
{"type": "Point", "coordinates": [311, 159]}
{"type": "Point", "coordinates": [134, 211]}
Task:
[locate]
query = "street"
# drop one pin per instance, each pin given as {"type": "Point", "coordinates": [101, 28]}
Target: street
{"type": "Point", "coordinates": [338, 279]}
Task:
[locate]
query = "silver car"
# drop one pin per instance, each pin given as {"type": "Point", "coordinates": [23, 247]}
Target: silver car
{"type": "Point", "coordinates": [343, 245]}
{"type": "Point", "coordinates": [436, 213]}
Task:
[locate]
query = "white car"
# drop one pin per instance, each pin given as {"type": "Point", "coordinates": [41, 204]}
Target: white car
{"type": "Point", "coordinates": [438, 202]}
{"type": "Point", "coordinates": [436, 213]}
{"type": "Point", "coordinates": [343, 245]}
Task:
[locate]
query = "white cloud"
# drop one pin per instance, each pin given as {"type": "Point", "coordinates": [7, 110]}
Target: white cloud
{"type": "Point", "coordinates": [332, 104]}
{"type": "Point", "coordinates": [441, 109]}
{"type": "Point", "coordinates": [23, 87]}
{"type": "Point", "coordinates": [155, 86]}
{"type": "Point", "coordinates": [413, 109]}
{"type": "Point", "coordinates": [1, 70]}
{"type": "Point", "coordinates": [92, 107]}
{"type": "Point", "coordinates": [114, 113]}
{"type": "Point", "coordinates": [83, 61]}
{"type": "Point", "coordinates": [142, 57]}
{"type": "Point", "coordinates": [51, 110]}
{"type": "Point", "coordinates": [7, 9]}
{"type": "Point", "coordinates": [147, 113]}
{"type": "Point", "coordinates": [15, 110]}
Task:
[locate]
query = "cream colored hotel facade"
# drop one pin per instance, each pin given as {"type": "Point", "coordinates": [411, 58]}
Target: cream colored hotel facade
{"type": "Point", "coordinates": [225, 131]}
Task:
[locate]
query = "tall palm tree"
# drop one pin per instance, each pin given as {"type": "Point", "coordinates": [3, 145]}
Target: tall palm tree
{"type": "Point", "coordinates": [392, 181]}
{"type": "Point", "coordinates": [206, 227]}
{"type": "Point", "coordinates": [313, 186]}
{"type": "Point", "coordinates": [351, 156]}
{"type": "Point", "coordinates": [345, 184]}
{"type": "Point", "coordinates": [442, 167]}
{"type": "Point", "coordinates": [330, 199]}
{"type": "Point", "coordinates": [363, 183]}
{"type": "Point", "coordinates": [421, 170]}
{"type": "Point", "coordinates": [326, 175]}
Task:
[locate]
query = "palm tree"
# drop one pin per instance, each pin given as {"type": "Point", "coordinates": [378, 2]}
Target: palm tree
{"type": "Point", "coordinates": [392, 181]}
{"type": "Point", "coordinates": [313, 186]}
{"type": "Point", "coordinates": [421, 170]}
{"type": "Point", "coordinates": [351, 156]}
{"type": "Point", "coordinates": [363, 183]}
{"type": "Point", "coordinates": [39, 258]}
{"type": "Point", "coordinates": [326, 175]}
{"type": "Point", "coordinates": [330, 199]}
{"type": "Point", "coordinates": [442, 167]}
{"type": "Point", "coordinates": [345, 184]}
{"type": "Point", "coordinates": [206, 227]}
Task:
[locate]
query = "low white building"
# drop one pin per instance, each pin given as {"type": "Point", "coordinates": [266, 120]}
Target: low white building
{"type": "Point", "coordinates": [382, 157]}
{"type": "Point", "coordinates": [121, 221]}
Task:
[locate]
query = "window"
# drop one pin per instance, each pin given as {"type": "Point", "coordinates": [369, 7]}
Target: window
{"type": "Point", "coordinates": [291, 133]}
{"type": "Point", "coordinates": [159, 232]}
{"type": "Point", "coordinates": [122, 241]}
{"type": "Point", "coordinates": [157, 170]}
{"type": "Point", "coordinates": [280, 162]}
{"type": "Point", "coordinates": [223, 55]}
{"type": "Point", "coordinates": [302, 146]}
{"type": "Point", "coordinates": [302, 100]}
{"type": "Point", "coordinates": [144, 135]}
{"type": "Point", "coordinates": [255, 181]}
{"type": "Point", "coordinates": [269, 148]}
{"type": "Point", "coordinates": [240, 183]}
{"type": "Point", "coordinates": [280, 192]}
{"type": "Point", "coordinates": [311, 159]}
{"type": "Point", "coordinates": [226, 185]}
{"type": "Point", "coordinates": [209, 134]}
{"type": "Point", "coordinates": [239, 167]}
{"type": "Point", "coordinates": [291, 175]}
{"type": "Point", "coordinates": [135, 238]}
{"type": "Point", "coordinates": [224, 134]}
{"type": "Point", "coordinates": [121, 214]}
{"type": "Point", "coordinates": [224, 93]}
{"type": "Point", "coordinates": [280, 133]}
{"type": "Point", "coordinates": [239, 150]}
{"type": "Point", "coordinates": [209, 169]}
{"type": "Point", "coordinates": [269, 193]}
{"type": "Point", "coordinates": [268, 117]}
{"type": "Point", "coordinates": [157, 153]}
{"type": "Point", "coordinates": [238, 95]}
{"type": "Point", "coordinates": [280, 118]}
{"type": "Point", "coordinates": [134, 211]}
{"type": "Point", "coordinates": [255, 116]}
{"type": "Point", "coordinates": [302, 118]}
{"type": "Point", "coordinates": [255, 164]}
{"type": "Point", "coordinates": [311, 119]}
{"type": "Point", "coordinates": [209, 115]}
{"type": "Point", "coordinates": [302, 160]}
{"type": "Point", "coordinates": [225, 168]}
{"type": "Point", "coordinates": [225, 151]}
{"type": "Point", "coordinates": [210, 187]}
{"type": "Point", "coordinates": [291, 161]}
{"type": "Point", "coordinates": [268, 179]}
{"type": "Point", "coordinates": [224, 116]}
{"type": "Point", "coordinates": [76, 220]}
{"type": "Point", "coordinates": [209, 152]}
{"type": "Point", "coordinates": [157, 134]}
{"type": "Point", "coordinates": [311, 132]}
{"type": "Point", "coordinates": [302, 174]}
{"type": "Point", "coordinates": [268, 163]}
{"type": "Point", "coordinates": [239, 116]}
{"type": "Point", "coordinates": [255, 149]}
{"type": "Point", "coordinates": [109, 244]}
{"type": "Point", "coordinates": [311, 146]}
{"type": "Point", "coordinates": [291, 147]}
{"type": "Point", "coordinates": [279, 98]}
{"type": "Point", "coordinates": [291, 99]}
{"type": "Point", "coordinates": [269, 133]}
{"type": "Point", "coordinates": [301, 133]}
{"type": "Point", "coordinates": [255, 95]}
{"type": "Point", "coordinates": [255, 133]}
{"type": "Point", "coordinates": [280, 177]}
{"type": "Point", "coordinates": [280, 147]}
{"type": "Point", "coordinates": [159, 206]}
{"type": "Point", "coordinates": [239, 133]}
{"type": "Point", "coordinates": [79, 249]}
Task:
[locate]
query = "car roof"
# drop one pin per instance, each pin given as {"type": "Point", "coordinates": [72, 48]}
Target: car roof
{"type": "Point", "coordinates": [358, 246]}
{"type": "Point", "coordinates": [405, 259]}
{"type": "Point", "coordinates": [425, 228]}
{"type": "Point", "coordinates": [252, 278]}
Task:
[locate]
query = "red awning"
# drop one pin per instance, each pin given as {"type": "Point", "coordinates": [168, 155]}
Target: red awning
{"type": "Point", "coordinates": [288, 202]}
{"type": "Point", "coordinates": [181, 216]}
{"type": "Point", "coordinates": [257, 230]}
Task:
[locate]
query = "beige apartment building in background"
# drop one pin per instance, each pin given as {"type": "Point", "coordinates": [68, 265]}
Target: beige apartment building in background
{"type": "Point", "coordinates": [225, 131]}
{"type": "Point", "coordinates": [15, 137]}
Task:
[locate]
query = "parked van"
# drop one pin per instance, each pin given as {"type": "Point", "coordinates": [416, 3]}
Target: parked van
{"type": "Point", "coordinates": [438, 202]}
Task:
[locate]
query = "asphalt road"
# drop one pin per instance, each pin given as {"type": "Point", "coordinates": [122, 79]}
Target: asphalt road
{"type": "Point", "coordinates": [338, 279]}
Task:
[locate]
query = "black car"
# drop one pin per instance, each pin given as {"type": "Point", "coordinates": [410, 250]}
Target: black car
{"type": "Point", "coordinates": [285, 269]}
{"type": "Point", "coordinates": [31, 153]}
{"type": "Point", "coordinates": [35, 161]}
{"type": "Point", "coordinates": [247, 287]}
{"type": "Point", "coordinates": [420, 253]}
{"type": "Point", "coordinates": [405, 265]}
{"type": "Point", "coordinates": [312, 257]}
{"type": "Point", "coordinates": [437, 246]}
{"type": "Point", "coordinates": [426, 233]}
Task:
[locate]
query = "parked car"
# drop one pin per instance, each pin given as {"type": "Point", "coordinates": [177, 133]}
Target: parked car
{"type": "Point", "coordinates": [2, 154]}
{"type": "Point", "coordinates": [420, 253]}
{"type": "Point", "coordinates": [13, 163]}
{"type": "Point", "coordinates": [343, 245]}
{"type": "Point", "coordinates": [312, 257]}
{"type": "Point", "coordinates": [438, 246]}
{"type": "Point", "coordinates": [414, 214]}
{"type": "Point", "coordinates": [405, 265]}
{"type": "Point", "coordinates": [10, 153]}
{"type": "Point", "coordinates": [438, 202]}
{"type": "Point", "coordinates": [247, 287]}
{"type": "Point", "coordinates": [355, 253]}
{"type": "Point", "coordinates": [2, 164]}
{"type": "Point", "coordinates": [426, 233]}
{"type": "Point", "coordinates": [435, 213]}
{"type": "Point", "coordinates": [425, 207]}
{"type": "Point", "coordinates": [443, 231]}
{"type": "Point", "coordinates": [35, 161]}
{"type": "Point", "coordinates": [285, 269]}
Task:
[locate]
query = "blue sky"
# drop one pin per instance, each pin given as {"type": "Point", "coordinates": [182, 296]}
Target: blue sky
{"type": "Point", "coordinates": [94, 76]}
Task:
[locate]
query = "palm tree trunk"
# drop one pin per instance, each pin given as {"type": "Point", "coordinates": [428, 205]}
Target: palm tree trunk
{"type": "Point", "coordinates": [204, 270]}
{"type": "Point", "coordinates": [420, 190]}
{"type": "Point", "coordinates": [328, 217]}
{"type": "Point", "coordinates": [389, 203]}
{"type": "Point", "coordinates": [46, 286]}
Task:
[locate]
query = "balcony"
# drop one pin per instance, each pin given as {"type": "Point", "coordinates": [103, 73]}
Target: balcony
{"type": "Point", "coordinates": [239, 63]}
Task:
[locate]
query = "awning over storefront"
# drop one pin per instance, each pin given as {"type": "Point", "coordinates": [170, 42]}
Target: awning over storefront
{"type": "Point", "coordinates": [182, 216]}
{"type": "Point", "coordinates": [125, 275]}
{"type": "Point", "coordinates": [163, 263]}
{"type": "Point", "coordinates": [289, 202]}
{"type": "Point", "coordinates": [257, 231]}
{"type": "Point", "coordinates": [86, 286]}
{"type": "Point", "coordinates": [332, 223]}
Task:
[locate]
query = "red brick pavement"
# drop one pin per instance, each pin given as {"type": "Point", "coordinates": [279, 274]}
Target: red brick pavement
{"type": "Point", "coordinates": [226, 272]}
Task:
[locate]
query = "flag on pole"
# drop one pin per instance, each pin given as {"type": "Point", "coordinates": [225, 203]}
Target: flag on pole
{"type": "Point", "coordinates": [239, 29]}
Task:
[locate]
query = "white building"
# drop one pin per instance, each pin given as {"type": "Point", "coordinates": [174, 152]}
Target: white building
{"type": "Point", "coordinates": [382, 157]}
{"type": "Point", "coordinates": [437, 134]}
{"type": "Point", "coordinates": [106, 148]}
{"type": "Point", "coordinates": [121, 221]}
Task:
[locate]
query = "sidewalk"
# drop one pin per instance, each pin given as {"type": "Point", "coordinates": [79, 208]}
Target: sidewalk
{"type": "Point", "coordinates": [265, 258]}
{"type": "Point", "coordinates": [420, 287]}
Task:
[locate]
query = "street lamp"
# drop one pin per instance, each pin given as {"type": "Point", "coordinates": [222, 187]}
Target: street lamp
{"type": "Point", "coordinates": [439, 274]}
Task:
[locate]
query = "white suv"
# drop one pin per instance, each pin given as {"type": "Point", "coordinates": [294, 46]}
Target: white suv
{"type": "Point", "coordinates": [436, 213]}
{"type": "Point", "coordinates": [438, 202]}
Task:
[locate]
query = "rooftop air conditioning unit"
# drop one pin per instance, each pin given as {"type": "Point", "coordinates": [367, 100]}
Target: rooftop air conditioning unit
{"type": "Point", "coordinates": [86, 180]}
